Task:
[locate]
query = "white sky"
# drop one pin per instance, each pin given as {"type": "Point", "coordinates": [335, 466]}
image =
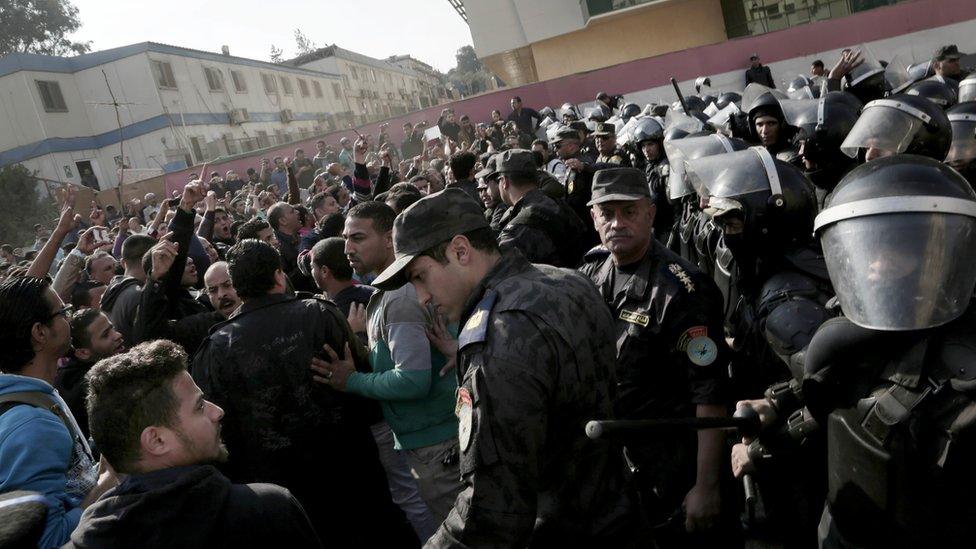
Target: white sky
{"type": "Point", "coordinates": [428, 30]}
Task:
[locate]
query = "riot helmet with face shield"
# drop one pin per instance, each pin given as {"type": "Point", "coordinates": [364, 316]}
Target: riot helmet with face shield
{"type": "Point", "coordinates": [821, 126]}
{"type": "Point", "coordinates": [680, 151]}
{"type": "Point", "coordinates": [725, 98]}
{"type": "Point", "coordinates": [897, 238]}
{"type": "Point", "coordinates": [967, 88]}
{"type": "Point", "coordinates": [764, 206]}
{"type": "Point", "coordinates": [802, 87]}
{"type": "Point", "coordinates": [900, 124]}
{"type": "Point", "coordinates": [936, 91]}
{"type": "Point", "coordinates": [962, 152]}
{"type": "Point", "coordinates": [629, 111]}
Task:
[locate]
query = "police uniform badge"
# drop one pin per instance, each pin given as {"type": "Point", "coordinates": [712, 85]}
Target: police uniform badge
{"type": "Point", "coordinates": [701, 349]}
{"type": "Point", "coordinates": [465, 414]}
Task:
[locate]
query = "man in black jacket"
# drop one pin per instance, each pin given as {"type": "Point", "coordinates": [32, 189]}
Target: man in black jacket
{"type": "Point", "coordinates": [285, 428]}
{"type": "Point", "coordinates": [152, 423]}
{"type": "Point", "coordinates": [759, 73]}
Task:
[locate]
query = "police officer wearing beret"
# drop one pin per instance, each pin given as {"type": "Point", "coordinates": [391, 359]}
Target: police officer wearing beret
{"type": "Point", "coordinates": [606, 146]}
{"type": "Point", "coordinates": [543, 229]}
{"type": "Point", "coordinates": [528, 382]}
{"type": "Point", "coordinates": [671, 354]}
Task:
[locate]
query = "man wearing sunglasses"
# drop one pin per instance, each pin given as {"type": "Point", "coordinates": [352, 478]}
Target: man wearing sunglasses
{"type": "Point", "coordinates": [41, 447]}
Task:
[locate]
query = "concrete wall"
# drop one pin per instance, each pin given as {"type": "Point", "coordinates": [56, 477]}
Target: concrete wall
{"type": "Point", "coordinates": [912, 29]}
{"type": "Point", "coordinates": [671, 26]}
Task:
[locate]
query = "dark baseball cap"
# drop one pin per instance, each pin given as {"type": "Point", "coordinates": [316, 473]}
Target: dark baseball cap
{"type": "Point", "coordinates": [426, 223]}
{"type": "Point", "coordinates": [565, 133]}
{"type": "Point", "coordinates": [515, 161]}
{"type": "Point", "coordinates": [604, 129]}
{"type": "Point", "coordinates": [613, 184]}
{"type": "Point", "coordinates": [489, 169]}
{"type": "Point", "coordinates": [949, 51]}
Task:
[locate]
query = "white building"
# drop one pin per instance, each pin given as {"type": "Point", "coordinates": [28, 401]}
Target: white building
{"type": "Point", "coordinates": [178, 107]}
{"type": "Point", "coordinates": [374, 89]}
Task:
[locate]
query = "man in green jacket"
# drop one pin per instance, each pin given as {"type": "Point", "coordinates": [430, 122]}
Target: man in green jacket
{"type": "Point", "coordinates": [409, 371]}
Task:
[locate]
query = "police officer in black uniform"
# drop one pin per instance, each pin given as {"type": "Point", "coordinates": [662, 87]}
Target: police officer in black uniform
{"type": "Point", "coordinates": [649, 155]}
{"type": "Point", "coordinates": [764, 209]}
{"type": "Point", "coordinates": [892, 381]}
{"type": "Point", "coordinates": [671, 355]}
{"type": "Point", "coordinates": [543, 229]}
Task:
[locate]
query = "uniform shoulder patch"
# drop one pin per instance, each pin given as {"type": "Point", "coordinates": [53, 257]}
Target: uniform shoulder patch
{"type": "Point", "coordinates": [475, 329]}
{"type": "Point", "coordinates": [701, 349]}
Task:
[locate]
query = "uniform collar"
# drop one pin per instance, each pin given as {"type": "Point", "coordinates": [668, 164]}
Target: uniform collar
{"type": "Point", "coordinates": [636, 287]}
{"type": "Point", "coordinates": [511, 264]}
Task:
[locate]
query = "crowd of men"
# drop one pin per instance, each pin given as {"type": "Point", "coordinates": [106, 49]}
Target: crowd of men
{"type": "Point", "coordinates": [737, 318]}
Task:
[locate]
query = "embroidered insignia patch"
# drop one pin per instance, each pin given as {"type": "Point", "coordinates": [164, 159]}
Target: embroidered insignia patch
{"type": "Point", "coordinates": [682, 276]}
{"type": "Point", "coordinates": [635, 318]}
{"type": "Point", "coordinates": [702, 351]}
{"type": "Point", "coordinates": [691, 333]}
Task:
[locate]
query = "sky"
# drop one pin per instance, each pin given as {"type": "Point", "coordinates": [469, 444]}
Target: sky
{"type": "Point", "coordinates": [428, 30]}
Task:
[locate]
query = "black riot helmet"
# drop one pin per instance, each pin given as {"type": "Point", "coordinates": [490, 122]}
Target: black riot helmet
{"type": "Point", "coordinates": [647, 129]}
{"type": "Point", "coordinates": [725, 98]}
{"type": "Point", "coordinates": [867, 80]}
{"type": "Point", "coordinates": [967, 88]}
{"type": "Point", "coordinates": [935, 91]}
{"type": "Point", "coordinates": [897, 238]}
{"type": "Point", "coordinates": [678, 124]}
{"type": "Point", "coordinates": [569, 113]}
{"type": "Point", "coordinates": [629, 111]}
{"type": "Point", "coordinates": [921, 71]}
{"type": "Point", "coordinates": [680, 151]}
{"type": "Point", "coordinates": [822, 124]}
{"type": "Point", "coordinates": [773, 199]}
{"type": "Point", "coordinates": [802, 87]}
{"type": "Point", "coordinates": [962, 153]}
{"type": "Point", "coordinates": [595, 114]}
{"type": "Point", "coordinates": [901, 124]}
{"type": "Point", "coordinates": [694, 103]}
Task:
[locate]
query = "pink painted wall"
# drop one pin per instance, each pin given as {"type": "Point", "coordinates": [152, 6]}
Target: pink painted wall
{"type": "Point", "coordinates": [650, 72]}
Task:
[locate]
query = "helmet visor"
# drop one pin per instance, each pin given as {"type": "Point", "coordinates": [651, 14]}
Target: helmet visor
{"type": "Point", "coordinates": [728, 175]}
{"type": "Point", "coordinates": [676, 120]}
{"type": "Point", "coordinates": [904, 271]}
{"type": "Point", "coordinates": [881, 127]}
{"type": "Point", "coordinates": [967, 90]}
{"type": "Point", "coordinates": [868, 67]}
{"type": "Point", "coordinates": [722, 117]}
{"type": "Point", "coordinates": [680, 151]}
{"type": "Point", "coordinates": [963, 147]}
{"type": "Point", "coordinates": [897, 75]}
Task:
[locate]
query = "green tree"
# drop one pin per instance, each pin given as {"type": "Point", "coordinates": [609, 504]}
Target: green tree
{"type": "Point", "coordinates": [276, 54]}
{"type": "Point", "coordinates": [21, 207]}
{"type": "Point", "coordinates": [303, 44]}
{"type": "Point", "coordinates": [39, 26]}
{"type": "Point", "coordinates": [467, 60]}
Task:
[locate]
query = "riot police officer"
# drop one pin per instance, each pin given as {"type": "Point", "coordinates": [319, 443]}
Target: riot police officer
{"type": "Point", "coordinates": [647, 142]}
{"type": "Point", "coordinates": [671, 353]}
{"type": "Point", "coordinates": [821, 126]}
{"type": "Point", "coordinates": [899, 124]}
{"type": "Point", "coordinates": [891, 382]}
{"type": "Point", "coordinates": [764, 209]}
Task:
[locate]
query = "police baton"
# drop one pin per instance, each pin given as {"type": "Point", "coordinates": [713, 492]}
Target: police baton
{"type": "Point", "coordinates": [681, 98]}
{"type": "Point", "coordinates": [745, 420]}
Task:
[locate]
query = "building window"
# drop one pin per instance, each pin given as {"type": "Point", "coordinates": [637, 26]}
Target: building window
{"type": "Point", "coordinates": [51, 96]}
{"type": "Point", "coordinates": [270, 86]}
{"type": "Point", "coordinates": [285, 85]}
{"type": "Point", "coordinates": [230, 143]}
{"type": "Point", "coordinates": [240, 85]}
{"type": "Point", "coordinates": [302, 87]}
{"type": "Point", "coordinates": [752, 17]}
{"type": "Point", "coordinates": [215, 79]}
{"type": "Point", "coordinates": [336, 90]}
{"type": "Point", "coordinates": [197, 150]}
{"type": "Point", "coordinates": [163, 72]}
{"type": "Point", "coordinates": [317, 88]}
{"type": "Point", "coordinates": [263, 140]}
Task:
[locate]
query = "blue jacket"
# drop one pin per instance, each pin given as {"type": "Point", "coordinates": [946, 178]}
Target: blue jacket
{"type": "Point", "coordinates": [39, 454]}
